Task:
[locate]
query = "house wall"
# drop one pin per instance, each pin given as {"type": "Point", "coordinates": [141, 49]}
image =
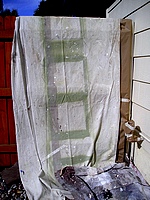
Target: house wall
{"type": "Point", "coordinates": [139, 12]}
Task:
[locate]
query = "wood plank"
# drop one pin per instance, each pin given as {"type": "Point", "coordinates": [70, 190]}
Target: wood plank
{"type": "Point", "coordinates": [13, 158]}
{"type": "Point", "coordinates": [8, 47]}
{"type": "Point", "coordinates": [1, 23]}
{"type": "Point", "coordinates": [3, 122]}
{"type": "Point", "coordinates": [11, 123]}
{"type": "Point", "coordinates": [9, 22]}
{"type": "Point", "coordinates": [2, 65]}
{"type": "Point", "coordinates": [6, 34]}
{"type": "Point", "coordinates": [5, 160]}
{"type": "Point", "coordinates": [5, 92]}
{"type": "Point", "coordinates": [8, 148]}
{"type": "Point", "coordinates": [8, 152]}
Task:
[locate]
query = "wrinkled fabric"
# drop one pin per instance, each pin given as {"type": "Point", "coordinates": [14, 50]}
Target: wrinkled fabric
{"type": "Point", "coordinates": [66, 97]}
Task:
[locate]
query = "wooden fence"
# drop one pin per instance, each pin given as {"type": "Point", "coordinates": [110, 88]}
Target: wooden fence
{"type": "Point", "coordinates": [8, 150]}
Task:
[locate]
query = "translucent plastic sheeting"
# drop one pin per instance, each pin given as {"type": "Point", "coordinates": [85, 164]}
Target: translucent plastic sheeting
{"type": "Point", "coordinates": [115, 182]}
{"type": "Point", "coordinates": [66, 97]}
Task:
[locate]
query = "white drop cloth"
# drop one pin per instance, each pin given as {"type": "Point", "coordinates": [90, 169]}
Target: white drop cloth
{"type": "Point", "coordinates": [66, 97]}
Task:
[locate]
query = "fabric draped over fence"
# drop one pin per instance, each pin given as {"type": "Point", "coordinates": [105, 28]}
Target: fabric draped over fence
{"type": "Point", "coordinates": [66, 97]}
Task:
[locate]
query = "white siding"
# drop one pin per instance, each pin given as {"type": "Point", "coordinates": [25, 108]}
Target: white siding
{"type": "Point", "coordinates": [139, 12]}
{"type": "Point", "coordinates": [139, 116]}
{"type": "Point", "coordinates": [123, 8]}
{"type": "Point", "coordinates": [142, 44]}
{"type": "Point", "coordinates": [144, 64]}
{"type": "Point", "coordinates": [140, 93]}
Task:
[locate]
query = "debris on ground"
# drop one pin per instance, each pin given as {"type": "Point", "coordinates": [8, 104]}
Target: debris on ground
{"type": "Point", "coordinates": [116, 182]}
{"type": "Point", "coordinates": [11, 187]}
{"type": "Point", "coordinates": [15, 192]}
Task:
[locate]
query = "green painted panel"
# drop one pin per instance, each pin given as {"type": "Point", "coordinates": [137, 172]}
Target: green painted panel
{"type": "Point", "coordinates": [67, 50]}
{"type": "Point", "coordinates": [70, 97]}
{"type": "Point", "coordinates": [77, 134]}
